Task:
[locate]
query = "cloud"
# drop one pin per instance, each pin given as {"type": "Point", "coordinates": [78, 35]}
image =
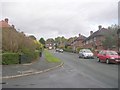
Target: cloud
{"type": "Point", "coordinates": [52, 18]}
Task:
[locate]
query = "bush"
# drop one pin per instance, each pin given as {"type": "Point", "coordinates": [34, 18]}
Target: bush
{"type": "Point", "coordinates": [16, 58]}
{"type": "Point", "coordinates": [36, 54]}
{"type": "Point", "coordinates": [0, 59]}
{"type": "Point", "coordinates": [28, 56]}
{"type": "Point", "coordinates": [10, 58]}
{"type": "Point", "coordinates": [68, 50]}
{"type": "Point", "coordinates": [17, 42]}
{"type": "Point", "coordinates": [78, 49]}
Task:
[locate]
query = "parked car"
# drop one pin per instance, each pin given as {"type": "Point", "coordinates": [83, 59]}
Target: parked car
{"type": "Point", "coordinates": [118, 53]}
{"type": "Point", "coordinates": [86, 53]}
{"type": "Point", "coordinates": [108, 56]}
{"type": "Point", "coordinates": [59, 50]}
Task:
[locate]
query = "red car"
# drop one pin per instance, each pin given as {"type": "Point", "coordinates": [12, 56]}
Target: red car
{"type": "Point", "coordinates": [108, 56]}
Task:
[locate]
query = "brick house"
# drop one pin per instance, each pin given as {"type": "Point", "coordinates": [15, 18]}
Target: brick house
{"type": "Point", "coordinates": [94, 41]}
{"type": "Point", "coordinates": [49, 44]}
{"type": "Point", "coordinates": [4, 24]}
{"type": "Point", "coordinates": [77, 43]}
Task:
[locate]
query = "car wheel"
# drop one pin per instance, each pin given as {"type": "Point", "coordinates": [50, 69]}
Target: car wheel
{"type": "Point", "coordinates": [107, 61]}
{"type": "Point", "coordinates": [98, 59]}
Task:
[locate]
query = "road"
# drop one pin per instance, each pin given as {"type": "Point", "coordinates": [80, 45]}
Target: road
{"type": "Point", "coordinates": [75, 73]}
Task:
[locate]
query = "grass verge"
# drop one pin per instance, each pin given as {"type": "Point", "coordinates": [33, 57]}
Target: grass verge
{"type": "Point", "coordinates": [50, 58]}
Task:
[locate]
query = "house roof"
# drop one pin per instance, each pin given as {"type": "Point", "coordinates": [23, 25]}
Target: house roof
{"type": "Point", "coordinates": [81, 37]}
{"type": "Point", "coordinates": [4, 24]}
{"type": "Point", "coordinates": [101, 32]}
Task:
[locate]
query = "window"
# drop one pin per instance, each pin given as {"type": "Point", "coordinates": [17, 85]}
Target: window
{"type": "Point", "coordinates": [112, 53]}
{"type": "Point", "coordinates": [100, 52]}
{"type": "Point", "coordinates": [94, 38]}
{"type": "Point", "coordinates": [91, 40]}
{"type": "Point", "coordinates": [86, 42]}
{"type": "Point", "coordinates": [103, 53]}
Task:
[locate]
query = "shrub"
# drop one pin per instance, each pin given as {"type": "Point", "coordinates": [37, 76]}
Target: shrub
{"type": "Point", "coordinates": [28, 56]}
{"type": "Point", "coordinates": [68, 50]}
{"type": "Point", "coordinates": [0, 59]}
{"type": "Point", "coordinates": [78, 49]}
{"type": "Point", "coordinates": [16, 58]}
{"type": "Point", "coordinates": [10, 58]}
{"type": "Point", "coordinates": [36, 54]}
{"type": "Point", "coordinates": [14, 41]}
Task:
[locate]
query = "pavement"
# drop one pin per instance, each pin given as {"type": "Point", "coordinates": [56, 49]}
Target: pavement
{"type": "Point", "coordinates": [36, 67]}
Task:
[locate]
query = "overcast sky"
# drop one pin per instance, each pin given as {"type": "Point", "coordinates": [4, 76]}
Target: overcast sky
{"type": "Point", "coordinates": [52, 18]}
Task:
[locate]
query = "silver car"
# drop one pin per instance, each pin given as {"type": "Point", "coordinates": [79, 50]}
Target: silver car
{"type": "Point", "coordinates": [85, 53]}
{"type": "Point", "coordinates": [61, 50]}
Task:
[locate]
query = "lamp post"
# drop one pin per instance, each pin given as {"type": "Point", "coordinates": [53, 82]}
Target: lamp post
{"type": "Point", "coordinates": [118, 33]}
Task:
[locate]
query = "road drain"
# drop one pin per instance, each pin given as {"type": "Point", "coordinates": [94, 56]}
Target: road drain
{"type": "Point", "coordinates": [32, 84]}
{"type": "Point", "coordinates": [16, 85]}
{"type": "Point", "coordinates": [3, 83]}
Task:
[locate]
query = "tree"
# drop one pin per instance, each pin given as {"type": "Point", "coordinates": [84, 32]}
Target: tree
{"type": "Point", "coordinates": [42, 41]}
{"type": "Point", "coordinates": [71, 39]}
{"type": "Point", "coordinates": [109, 42]}
{"type": "Point", "coordinates": [38, 45]}
{"type": "Point", "coordinates": [60, 42]}
{"type": "Point", "coordinates": [50, 40]}
{"type": "Point", "coordinates": [111, 37]}
{"type": "Point", "coordinates": [14, 41]}
{"type": "Point", "coordinates": [32, 37]}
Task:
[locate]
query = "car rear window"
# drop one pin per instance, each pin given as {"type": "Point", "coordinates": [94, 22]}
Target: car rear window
{"type": "Point", "coordinates": [87, 51]}
{"type": "Point", "coordinates": [112, 53]}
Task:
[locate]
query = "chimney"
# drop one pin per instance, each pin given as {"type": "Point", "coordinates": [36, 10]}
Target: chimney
{"type": "Point", "coordinates": [99, 27]}
{"type": "Point", "coordinates": [13, 26]}
{"type": "Point", "coordinates": [79, 35]}
{"type": "Point", "coordinates": [6, 20]}
{"type": "Point", "coordinates": [91, 32]}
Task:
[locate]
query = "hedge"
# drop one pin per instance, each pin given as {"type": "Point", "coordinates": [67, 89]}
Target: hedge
{"type": "Point", "coordinates": [78, 49]}
{"type": "Point", "coordinates": [35, 55]}
{"type": "Point", "coordinates": [16, 58]}
{"type": "Point", "coordinates": [29, 57]}
{"type": "Point", "coordinates": [68, 50]}
{"type": "Point", "coordinates": [0, 59]}
{"type": "Point", "coordinates": [10, 58]}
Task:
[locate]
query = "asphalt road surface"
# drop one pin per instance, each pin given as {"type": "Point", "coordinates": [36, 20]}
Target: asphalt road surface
{"type": "Point", "coordinates": [75, 73]}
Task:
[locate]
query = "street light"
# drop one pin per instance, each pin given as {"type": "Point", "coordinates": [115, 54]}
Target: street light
{"type": "Point", "coordinates": [118, 32]}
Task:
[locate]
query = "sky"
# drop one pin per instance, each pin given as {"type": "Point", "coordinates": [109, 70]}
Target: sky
{"type": "Point", "coordinates": [53, 18]}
